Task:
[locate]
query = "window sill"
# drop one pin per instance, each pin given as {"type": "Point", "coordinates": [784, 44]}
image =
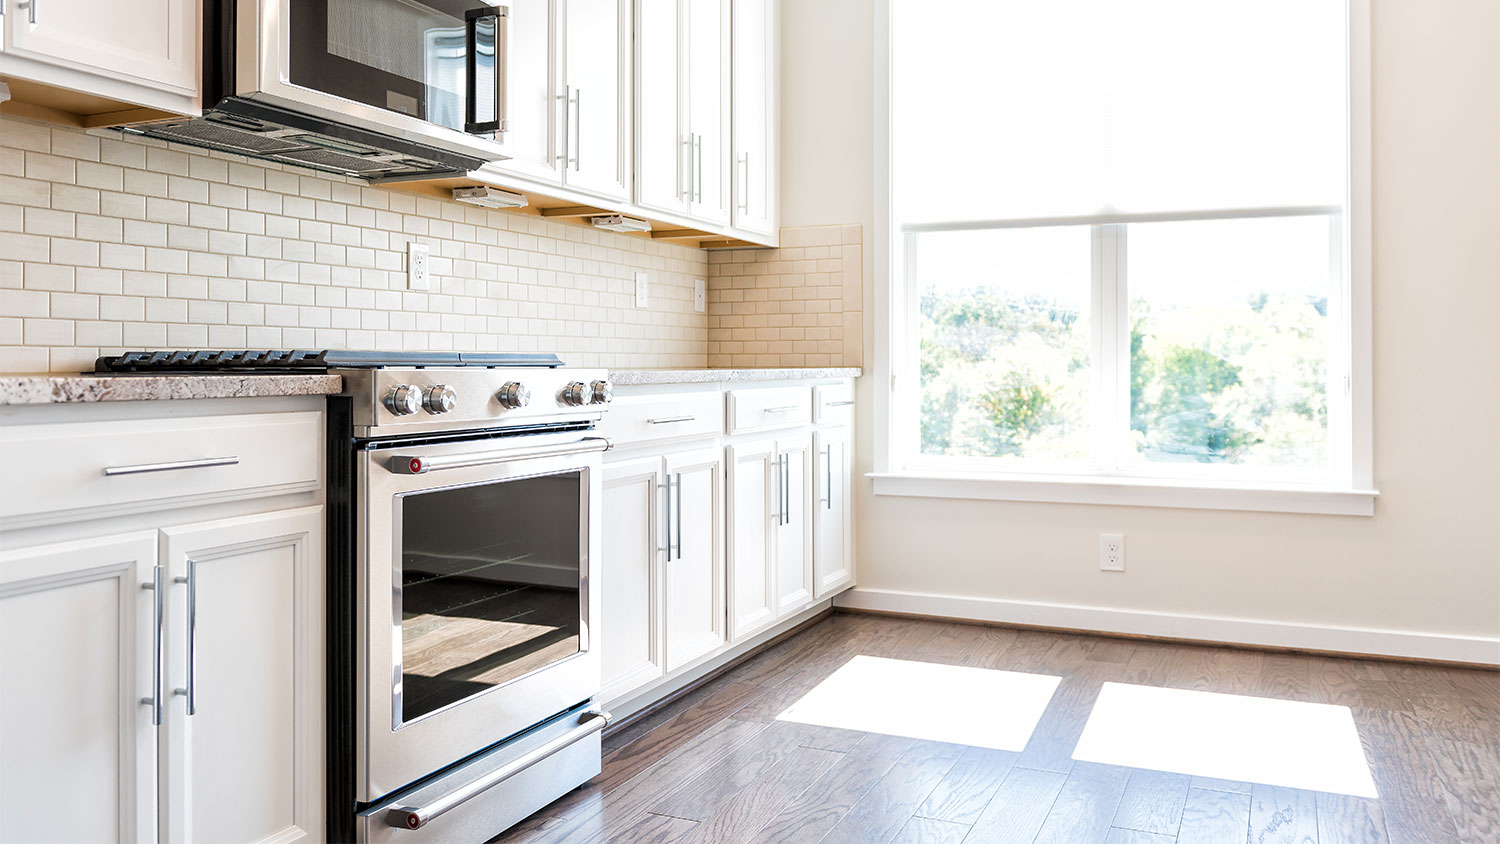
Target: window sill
{"type": "Point", "coordinates": [1134, 492]}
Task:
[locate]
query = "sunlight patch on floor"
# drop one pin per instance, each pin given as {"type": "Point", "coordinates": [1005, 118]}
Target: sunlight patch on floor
{"type": "Point", "coordinates": [1289, 743]}
{"type": "Point", "coordinates": [923, 700]}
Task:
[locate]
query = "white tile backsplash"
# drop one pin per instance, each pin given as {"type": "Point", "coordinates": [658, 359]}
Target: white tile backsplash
{"type": "Point", "coordinates": [111, 242]}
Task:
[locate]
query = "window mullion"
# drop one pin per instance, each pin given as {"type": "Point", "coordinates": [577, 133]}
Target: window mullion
{"type": "Point", "coordinates": [1100, 343]}
{"type": "Point", "coordinates": [1111, 348]}
{"type": "Point", "coordinates": [1120, 319]}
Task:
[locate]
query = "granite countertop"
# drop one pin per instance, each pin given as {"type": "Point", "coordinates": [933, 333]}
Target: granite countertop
{"type": "Point", "coordinates": [65, 389]}
{"type": "Point", "coordinates": [628, 377]}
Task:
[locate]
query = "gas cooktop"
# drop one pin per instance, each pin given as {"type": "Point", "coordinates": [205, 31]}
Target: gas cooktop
{"type": "Point", "coordinates": [304, 360]}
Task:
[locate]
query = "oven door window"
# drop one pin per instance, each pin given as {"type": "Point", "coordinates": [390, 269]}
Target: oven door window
{"type": "Point", "coordinates": [400, 55]}
{"type": "Point", "coordinates": [489, 586]}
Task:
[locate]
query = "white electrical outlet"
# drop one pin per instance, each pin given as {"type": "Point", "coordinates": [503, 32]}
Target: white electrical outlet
{"type": "Point", "coordinates": [1111, 552]}
{"type": "Point", "coordinates": [641, 290]}
{"type": "Point", "coordinates": [417, 266]}
{"type": "Point", "coordinates": [700, 295]}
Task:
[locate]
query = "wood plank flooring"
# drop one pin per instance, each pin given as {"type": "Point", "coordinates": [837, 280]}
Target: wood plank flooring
{"type": "Point", "coordinates": [716, 767]}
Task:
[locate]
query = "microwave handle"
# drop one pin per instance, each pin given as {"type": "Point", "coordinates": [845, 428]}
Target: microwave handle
{"type": "Point", "coordinates": [501, 16]}
{"type": "Point", "coordinates": [411, 464]}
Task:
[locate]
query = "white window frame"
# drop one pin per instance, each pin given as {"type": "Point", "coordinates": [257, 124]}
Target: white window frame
{"type": "Point", "coordinates": [1351, 492]}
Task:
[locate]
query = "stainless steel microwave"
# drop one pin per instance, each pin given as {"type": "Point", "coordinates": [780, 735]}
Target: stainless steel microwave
{"type": "Point", "coordinates": [379, 89]}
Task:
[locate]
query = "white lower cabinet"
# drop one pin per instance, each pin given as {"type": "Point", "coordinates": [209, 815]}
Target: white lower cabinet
{"type": "Point", "coordinates": [242, 746]}
{"type": "Point", "coordinates": [752, 575]}
{"type": "Point", "coordinates": [833, 525]}
{"type": "Point", "coordinates": [793, 532]}
{"type": "Point", "coordinates": [76, 636]}
{"type": "Point", "coordinates": [694, 611]}
{"type": "Point", "coordinates": [629, 576]}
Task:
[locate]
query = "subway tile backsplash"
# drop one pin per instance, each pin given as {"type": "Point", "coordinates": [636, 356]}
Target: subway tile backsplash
{"type": "Point", "coordinates": [111, 242]}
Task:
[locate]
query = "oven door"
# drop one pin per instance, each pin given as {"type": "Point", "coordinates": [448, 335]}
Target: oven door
{"type": "Point", "coordinates": [476, 612]}
{"type": "Point", "coordinates": [429, 71]}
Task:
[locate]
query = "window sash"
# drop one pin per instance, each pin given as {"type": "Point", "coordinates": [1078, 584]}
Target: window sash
{"type": "Point", "coordinates": [1110, 362]}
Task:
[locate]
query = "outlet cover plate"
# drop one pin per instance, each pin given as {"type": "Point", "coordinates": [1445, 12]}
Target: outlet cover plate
{"type": "Point", "coordinates": [418, 266]}
{"type": "Point", "coordinates": [1111, 552]}
{"type": "Point", "coordinates": [700, 295]}
{"type": "Point", "coordinates": [641, 290]}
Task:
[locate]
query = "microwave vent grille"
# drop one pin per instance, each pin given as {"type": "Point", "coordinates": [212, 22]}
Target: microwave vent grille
{"type": "Point", "coordinates": [225, 137]}
{"type": "Point", "coordinates": [338, 161]}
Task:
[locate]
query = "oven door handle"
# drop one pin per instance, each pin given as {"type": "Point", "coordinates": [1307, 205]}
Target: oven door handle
{"type": "Point", "coordinates": [414, 817]}
{"type": "Point", "coordinates": [412, 464]}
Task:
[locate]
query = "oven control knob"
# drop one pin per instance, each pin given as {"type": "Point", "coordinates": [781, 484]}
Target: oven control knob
{"type": "Point", "coordinates": [440, 398]}
{"type": "Point", "coordinates": [403, 400]}
{"type": "Point", "coordinates": [601, 392]}
{"type": "Point", "coordinates": [513, 395]}
{"type": "Point", "coordinates": [577, 394]}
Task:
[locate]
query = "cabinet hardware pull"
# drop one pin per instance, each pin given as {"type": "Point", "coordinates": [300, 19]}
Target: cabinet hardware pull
{"type": "Point", "coordinates": [786, 408]}
{"type": "Point", "coordinates": [567, 132]}
{"type": "Point", "coordinates": [414, 817]}
{"type": "Point", "coordinates": [745, 185]}
{"type": "Point", "coordinates": [143, 468]}
{"type": "Point", "coordinates": [30, 7]}
{"type": "Point", "coordinates": [155, 701]}
{"type": "Point", "coordinates": [576, 147]}
{"type": "Point", "coordinates": [839, 403]}
{"type": "Point", "coordinates": [666, 419]}
{"type": "Point", "coordinates": [828, 484]}
{"type": "Point", "coordinates": [191, 691]}
{"type": "Point", "coordinates": [679, 515]}
{"type": "Point", "coordinates": [697, 167]}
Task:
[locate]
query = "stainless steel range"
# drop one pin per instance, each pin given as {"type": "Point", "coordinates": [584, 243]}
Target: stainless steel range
{"type": "Point", "coordinates": [463, 527]}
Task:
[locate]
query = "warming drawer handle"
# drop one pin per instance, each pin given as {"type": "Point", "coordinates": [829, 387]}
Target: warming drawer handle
{"type": "Point", "coordinates": [411, 464]}
{"type": "Point", "coordinates": [415, 817]}
{"type": "Point", "coordinates": [143, 468]}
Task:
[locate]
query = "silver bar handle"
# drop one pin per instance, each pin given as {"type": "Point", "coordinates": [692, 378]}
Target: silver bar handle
{"type": "Point", "coordinates": [407, 464]}
{"type": "Point", "coordinates": [786, 489]}
{"type": "Point", "coordinates": [685, 190]}
{"type": "Point", "coordinates": [415, 817]}
{"type": "Point", "coordinates": [567, 121]}
{"type": "Point", "coordinates": [155, 701]}
{"type": "Point", "coordinates": [679, 515]}
{"type": "Point", "coordinates": [576, 147]}
{"type": "Point", "coordinates": [745, 184]}
{"type": "Point", "coordinates": [786, 408]}
{"type": "Point", "coordinates": [191, 691]}
{"type": "Point", "coordinates": [666, 419]}
{"type": "Point", "coordinates": [30, 7]}
{"type": "Point", "coordinates": [845, 403]}
{"type": "Point", "coordinates": [828, 482]}
{"type": "Point", "coordinates": [143, 468]}
{"type": "Point", "coordinates": [697, 167]}
{"type": "Point", "coordinates": [776, 492]}
{"type": "Point", "coordinates": [667, 523]}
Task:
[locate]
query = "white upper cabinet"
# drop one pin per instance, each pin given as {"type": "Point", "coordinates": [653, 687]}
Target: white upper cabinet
{"type": "Point", "coordinates": [597, 97]}
{"type": "Point", "coordinates": [533, 106]}
{"type": "Point", "coordinates": [753, 92]}
{"type": "Point", "coordinates": [152, 42]}
{"type": "Point", "coordinates": [708, 108]}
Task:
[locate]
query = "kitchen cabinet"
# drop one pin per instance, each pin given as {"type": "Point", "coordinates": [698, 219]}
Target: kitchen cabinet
{"type": "Point", "coordinates": [753, 486]}
{"type": "Point", "coordinates": [694, 612]}
{"type": "Point", "coordinates": [568, 96]}
{"type": "Point", "coordinates": [76, 648]}
{"type": "Point", "coordinates": [754, 109]}
{"type": "Point", "coordinates": [793, 531]}
{"type": "Point", "coordinates": [241, 747]}
{"type": "Point", "coordinates": [682, 49]}
{"type": "Point", "coordinates": [629, 577]}
{"type": "Point", "coordinates": [63, 55]}
{"type": "Point", "coordinates": [833, 545]}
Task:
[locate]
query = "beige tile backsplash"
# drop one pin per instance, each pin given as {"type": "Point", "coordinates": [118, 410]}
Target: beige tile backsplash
{"type": "Point", "coordinates": [111, 242]}
{"type": "Point", "coordinates": [799, 305]}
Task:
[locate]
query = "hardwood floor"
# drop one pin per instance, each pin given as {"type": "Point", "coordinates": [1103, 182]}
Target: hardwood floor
{"type": "Point", "coordinates": [717, 767]}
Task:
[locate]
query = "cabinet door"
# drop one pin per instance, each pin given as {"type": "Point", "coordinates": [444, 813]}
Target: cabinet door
{"type": "Point", "coordinates": [708, 108]}
{"type": "Point", "coordinates": [753, 92]}
{"type": "Point", "coordinates": [695, 556]}
{"type": "Point", "coordinates": [661, 141]}
{"type": "Point", "coordinates": [833, 560]}
{"type": "Point", "coordinates": [152, 41]}
{"type": "Point", "coordinates": [629, 575]}
{"type": "Point", "coordinates": [752, 572]}
{"type": "Point", "coordinates": [533, 93]}
{"type": "Point", "coordinates": [243, 739]}
{"type": "Point", "coordinates": [598, 96]}
{"type": "Point", "coordinates": [76, 658]}
{"type": "Point", "coordinates": [794, 565]}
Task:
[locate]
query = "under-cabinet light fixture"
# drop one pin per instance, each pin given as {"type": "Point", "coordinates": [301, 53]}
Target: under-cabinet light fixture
{"type": "Point", "coordinates": [488, 197]}
{"type": "Point", "coordinates": [620, 223]}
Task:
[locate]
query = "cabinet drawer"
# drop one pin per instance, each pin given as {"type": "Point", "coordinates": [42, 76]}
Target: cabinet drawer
{"type": "Point", "coordinates": [64, 471]}
{"type": "Point", "coordinates": [637, 419]}
{"type": "Point", "coordinates": [768, 409]}
{"type": "Point", "coordinates": [833, 402]}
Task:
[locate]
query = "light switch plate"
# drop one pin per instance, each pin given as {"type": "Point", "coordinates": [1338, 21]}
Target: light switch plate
{"type": "Point", "coordinates": [640, 290]}
{"type": "Point", "coordinates": [417, 261]}
{"type": "Point", "coordinates": [700, 295]}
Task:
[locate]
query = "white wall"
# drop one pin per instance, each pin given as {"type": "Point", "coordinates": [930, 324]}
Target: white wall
{"type": "Point", "coordinates": [1426, 567]}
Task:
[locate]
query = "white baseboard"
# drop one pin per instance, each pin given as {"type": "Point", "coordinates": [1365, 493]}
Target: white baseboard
{"type": "Point", "coordinates": [1477, 650]}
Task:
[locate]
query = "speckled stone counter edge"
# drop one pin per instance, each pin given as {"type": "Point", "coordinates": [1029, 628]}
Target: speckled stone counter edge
{"type": "Point", "coordinates": [53, 389]}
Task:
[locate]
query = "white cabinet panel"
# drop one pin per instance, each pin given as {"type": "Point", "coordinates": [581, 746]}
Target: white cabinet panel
{"type": "Point", "coordinates": [754, 107]}
{"type": "Point", "coordinates": [793, 547]}
{"type": "Point", "coordinates": [695, 613]}
{"type": "Point", "coordinates": [150, 41]}
{"type": "Point", "coordinates": [661, 131]}
{"type": "Point", "coordinates": [598, 96]}
{"type": "Point", "coordinates": [752, 570]}
{"type": "Point", "coordinates": [76, 646]}
{"type": "Point", "coordinates": [833, 539]}
{"type": "Point", "coordinates": [533, 88]}
{"type": "Point", "coordinates": [244, 763]}
{"type": "Point", "coordinates": [708, 107]}
{"type": "Point", "coordinates": [629, 577]}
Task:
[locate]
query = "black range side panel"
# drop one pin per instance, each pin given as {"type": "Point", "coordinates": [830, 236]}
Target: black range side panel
{"type": "Point", "coordinates": [341, 619]}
